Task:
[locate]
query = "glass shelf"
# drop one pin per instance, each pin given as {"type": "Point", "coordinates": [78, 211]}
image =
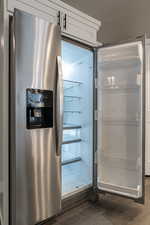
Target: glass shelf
{"type": "Point", "coordinates": [70, 136]}
{"type": "Point", "coordinates": [71, 126]}
{"type": "Point", "coordinates": [72, 119]}
{"type": "Point", "coordinates": [68, 84]}
{"type": "Point", "coordinates": [71, 141]}
{"type": "Point", "coordinates": [71, 151]}
{"type": "Point", "coordinates": [71, 111]}
{"type": "Point", "coordinates": [70, 98]}
{"type": "Point", "coordinates": [72, 105]}
{"type": "Point", "coordinates": [73, 160]}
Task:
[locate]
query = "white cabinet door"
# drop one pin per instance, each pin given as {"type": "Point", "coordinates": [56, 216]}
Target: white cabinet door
{"type": "Point", "coordinates": [121, 138]}
{"type": "Point", "coordinates": [43, 9]}
{"type": "Point", "coordinates": [79, 28]}
{"type": "Point", "coordinates": [147, 153]}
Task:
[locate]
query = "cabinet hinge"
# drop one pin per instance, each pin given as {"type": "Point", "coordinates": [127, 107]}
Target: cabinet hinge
{"type": "Point", "coordinates": [96, 115]}
{"type": "Point", "coordinates": [96, 83]}
{"type": "Point", "coordinates": [59, 18]}
{"type": "Point", "coordinates": [65, 21]}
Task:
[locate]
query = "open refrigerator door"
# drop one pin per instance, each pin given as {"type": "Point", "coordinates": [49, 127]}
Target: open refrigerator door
{"type": "Point", "coordinates": [121, 119]}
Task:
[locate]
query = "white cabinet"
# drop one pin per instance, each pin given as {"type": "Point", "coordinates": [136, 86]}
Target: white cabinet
{"type": "Point", "coordinates": [147, 125]}
{"type": "Point", "coordinates": [36, 8]}
{"type": "Point", "coordinates": [79, 27]}
{"type": "Point", "coordinates": [74, 23]}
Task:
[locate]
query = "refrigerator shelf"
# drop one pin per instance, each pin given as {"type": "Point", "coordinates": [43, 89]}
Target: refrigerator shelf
{"type": "Point", "coordinates": [73, 160]}
{"type": "Point", "coordinates": [69, 98]}
{"type": "Point", "coordinates": [71, 134]}
{"type": "Point", "coordinates": [73, 81]}
{"type": "Point", "coordinates": [69, 84]}
{"type": "Point", "coordinates": [71, 111]}
{"type": "Point", "coordinates": [71, 141]}
{"type": "Point", "coordinates": [71, 127]}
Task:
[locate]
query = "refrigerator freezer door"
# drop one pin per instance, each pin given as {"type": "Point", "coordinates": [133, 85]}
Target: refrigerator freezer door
{"type": "Point", "coordinates": [35, 164]}
{"type": "Point", "coordinates": [120, 151]}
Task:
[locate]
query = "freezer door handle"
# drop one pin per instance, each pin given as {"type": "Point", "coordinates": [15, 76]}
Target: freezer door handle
{"type": "Point", "coordinates": [59, 106]}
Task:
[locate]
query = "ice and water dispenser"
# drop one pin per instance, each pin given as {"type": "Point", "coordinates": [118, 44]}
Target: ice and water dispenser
{"type": "Point", "coordinates": [39, 108]}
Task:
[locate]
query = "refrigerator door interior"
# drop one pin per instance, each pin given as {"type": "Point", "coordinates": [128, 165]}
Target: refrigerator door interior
{"type": "Point", "coordinates": [35, 107]}
{"type": "Point", "coordinates": [120, 140]}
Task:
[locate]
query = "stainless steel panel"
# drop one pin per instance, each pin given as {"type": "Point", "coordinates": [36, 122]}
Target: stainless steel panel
{"type": "Point", "coordinates": [36, 173]}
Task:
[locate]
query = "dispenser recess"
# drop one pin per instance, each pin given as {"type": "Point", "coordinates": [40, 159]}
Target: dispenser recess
{"type": "Point", "coordinates": [39, 110]}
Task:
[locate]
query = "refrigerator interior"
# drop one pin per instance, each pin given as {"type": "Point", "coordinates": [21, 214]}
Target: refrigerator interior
{"type": "Point", "coordinates": [119, 125]}
{"type": "Point", "coordinates": [77, 144]}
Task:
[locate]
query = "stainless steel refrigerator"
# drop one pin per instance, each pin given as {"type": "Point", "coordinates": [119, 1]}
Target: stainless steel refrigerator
{"type": "Point", "coordinates": [35, 119]}
{"type": "Point", "coordinates": [108, 125]}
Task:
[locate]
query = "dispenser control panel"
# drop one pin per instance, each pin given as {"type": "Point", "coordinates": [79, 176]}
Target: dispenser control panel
{"type": "Point", "coordinates": [39, 108]}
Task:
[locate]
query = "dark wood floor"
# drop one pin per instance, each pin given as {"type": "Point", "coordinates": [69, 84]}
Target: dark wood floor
{"type": "Point", "coordinates": [111, 210]}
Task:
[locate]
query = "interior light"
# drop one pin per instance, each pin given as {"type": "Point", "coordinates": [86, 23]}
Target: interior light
{"type": "Point", "coordinates": [67, 69]}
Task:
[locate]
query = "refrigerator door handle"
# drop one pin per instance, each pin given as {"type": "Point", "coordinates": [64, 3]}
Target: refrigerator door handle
{"type": "Point", "coordinates": [59, 107]}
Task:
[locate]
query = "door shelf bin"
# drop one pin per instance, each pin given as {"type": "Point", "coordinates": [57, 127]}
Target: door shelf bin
{"type": "Point", "coordinates": [119, 189]}
{"type": "Point", "coordinates": [120, 88]}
